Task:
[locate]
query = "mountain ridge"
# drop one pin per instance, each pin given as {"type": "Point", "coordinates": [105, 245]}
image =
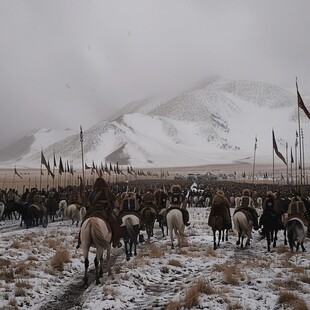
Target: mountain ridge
{"type": "Point", "coordinates": [213, 123]}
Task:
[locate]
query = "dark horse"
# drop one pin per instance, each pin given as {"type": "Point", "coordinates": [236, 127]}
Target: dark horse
{"type": "Point", "coordinates": [130, 231]}
{"type": "Point", "coordinates": [12, 208]}
{"type": "Point", "coordinates": [36, 214]}
{"type": "Point", "coordinates": [52, 206]}
{"type": "Point", "coordinates": [161, 200]}
{"type": "Point", "coordinates": [148, 218]}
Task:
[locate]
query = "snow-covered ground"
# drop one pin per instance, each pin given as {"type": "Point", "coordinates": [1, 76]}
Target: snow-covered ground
{"type": "Point", "coordinates": [194, 276]}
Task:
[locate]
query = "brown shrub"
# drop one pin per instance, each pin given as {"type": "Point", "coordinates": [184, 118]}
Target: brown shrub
{"type": "Point", "coordinates": [4, 262]}
{"type": "Point", "coordinates": [7, 275]}
{"type": "Point", "coordinates": [16, 244]}
{"type": "Point", "coordinates": [22, 284]}
{"type": "Point", "coordinates": [292, 300]}
{"type": "Point", "coordinates": [60, 258]}
{"type": "Point", "coordinates": [175, 262]}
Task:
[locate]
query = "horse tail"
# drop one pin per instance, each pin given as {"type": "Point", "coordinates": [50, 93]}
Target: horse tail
{"type": "Point", "coordinates": [130, 230]}
{"type": "Point", "coordinates": [96, 233]}
{"type": "Point", "coordinates": [176, 226]}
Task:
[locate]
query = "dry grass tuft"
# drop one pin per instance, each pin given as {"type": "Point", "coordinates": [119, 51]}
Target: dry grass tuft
{"type": "Point", "coordinates": [292, 300]}
{"type": "Point", "coordinates": [109, 291]}
{"type": "Point", "coordinates": [20, 291]}
{"type": "Point", "coordinates": [4, 263]}
{"type": "Point", "coordinates": [305, 278]}
{"type": "Point", "coordinates": [60, 258]}
{"type": "Point", "coordinates": [182, 251]}
{"type": "Point", "coordinates": [289, 284]}
{"type": "Point", "coordinates": [175, 262]}
{"type": "Point", "coordinates": [155, 251]}
{"type": "Point", "coordinates": [7, 275]}
{"type": "Point", "coordinates": [211, 252]}
{"type": "Point", "coordinates": [13, 304]}
{"type": "Point", "coordinates": [231, 273]}
{"type": "Point", "coordinates": [174, 305]}
{"type": "Point", "coordinates": [16, 244]}
{"type": "Point", "coordinates": [52, 243]}
{"type": "Point", "coordinates": [22, 284]}
{"type": "Point", "coordinates": [23, 269]}
{"type": "Point", "coordinates": [192, 294]}
{"type": "Point", "coordinates": [282, 248]}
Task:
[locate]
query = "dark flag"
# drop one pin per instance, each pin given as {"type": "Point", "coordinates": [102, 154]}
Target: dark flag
{"type": "Point", "coordinates": [43, 160]}
{"type": "Point", "coordinates": [275, 147]}
{"type": "Point", "coordinates": [15, 172]}
{"type": "Point", "coordinates": [87, 167]}
{"type": "Point", "coordinates": [61, 167]}
{"type": "Point", "coordinates": [292, 158]}
{"type": "Point", "coordinates": [302, 105]}
{"type": "Point", "coordinates": [55, 164]}
{"type": "Point", "coordinates": [42, 172]}
{"type": "Point", "coordinates": [111, 169]}
{"type": "Point", "coordinates": [81, 134]}
{"type": "Point", "coordinates": [255, 146]}
{"type": "Point", "coordinates": [106, 169]}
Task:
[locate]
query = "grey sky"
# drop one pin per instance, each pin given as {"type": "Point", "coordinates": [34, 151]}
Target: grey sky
{"type": "Point", "coordinates": [66, 63]}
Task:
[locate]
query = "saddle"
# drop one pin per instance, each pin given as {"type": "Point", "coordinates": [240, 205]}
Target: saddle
{"type": "Point", "coordinates": [39, 207]}
{"type": "Point", "coordinates": [247, 213]}
{"type": "Point", "coordinates": [220, 210]}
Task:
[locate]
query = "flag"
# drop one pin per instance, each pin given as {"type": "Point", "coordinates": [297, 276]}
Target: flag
{"type": "Point", "coordinates": [61, 167]}
{"type": "Point", "coordinates": [255, 146]}
{"type": "Point", "coordinates": [292, 158]}
{"type": "Point", "coordinates": [111, 169]}
{"type": "Point", "coordinates": [43, 160]}
{"type": "Point", "coordinates": [15, 172]}
{"type": "Point", "coordinates": [275, 148]}
{"type": "Point", "coordinates": [87, 167]}
{"type": "Point", "coordinates": [42, 172]}
{"type": "Point", "coordinates": [302, 105]}
{"type": "Point", "coordinates": [81, 134]}
{"type": "Point", "coordinates": [55, 164]}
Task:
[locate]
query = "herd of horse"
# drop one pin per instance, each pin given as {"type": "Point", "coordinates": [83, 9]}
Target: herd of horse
{"type": "Point", "coordinates": [95, 232]}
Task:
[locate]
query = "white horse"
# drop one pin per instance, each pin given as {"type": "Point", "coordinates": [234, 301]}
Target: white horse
{"type": "Point", "coordinates": [73, 213]}
{"type": "Point", "coordinates": [259, 202]}
{"type": "Point", "coordinates": [175, 224]}
{"type": "Point", "coordinates": [1, 210]}
{"type": "Point", "coordinates": [296, 232]}
{"type": "Point", "coordinates": [207, 202]}
{"type": "Point", "coordinates": [95, 233]}
{"type": "Point", "coordinates": [243, 226]}
{"type": "Point", "coordinates": [62, 210]}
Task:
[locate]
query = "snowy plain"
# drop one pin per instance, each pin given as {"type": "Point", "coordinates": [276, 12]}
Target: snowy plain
{"type": "Point", "coordinates": [191, 277]}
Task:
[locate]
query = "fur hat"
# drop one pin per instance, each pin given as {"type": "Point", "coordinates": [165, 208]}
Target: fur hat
{"type": "Point", "coordinates": [128, 194]}
{"type": "Point", "coordinates": [271, 194]}
{"type": "Point", "coordinates": [176, 188]}
{"type": "Point", "coordinates": [100, 184]}
{"type": "Point", "coordinates": [148, 196]}
{"type": "Point", "coordinates": [246, 192]}
{"type": "Point", "coordinates": [220, 193]}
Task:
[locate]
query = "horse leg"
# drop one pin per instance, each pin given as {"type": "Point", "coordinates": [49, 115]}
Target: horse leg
{"type": "Point", "coordinates": [226, 238]}
{"type": "Point", "coordinates": [297, 246]}
{"type": "Point", "coordinates": [275, 238]}
{"type": "Point", "coordinates": [127, 250]}
{"type": "Point", "coordinates": [86, 265]}
{"type": "Point", "coordinates": [214, 239]}
{"type": "Point", "coordinates": [268, 233]}
{"type": "Point", "coordinates": [302, 247]}
{"type": "Point", "coordinates": [239, 237]}
{"type": "Point", "coordinates": [220, 235]}
{"type": "Point", "coordinates": [285, 239]}
{"type": "Point", "coordinates": [135, 249]}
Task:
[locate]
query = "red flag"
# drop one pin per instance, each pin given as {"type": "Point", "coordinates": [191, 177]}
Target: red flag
{"type": "Point", "coordinates": [275, 147]}
{"type": "Point", "coordinates": [302, 105]}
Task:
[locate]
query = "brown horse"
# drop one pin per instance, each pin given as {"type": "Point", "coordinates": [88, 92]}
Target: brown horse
{"type": "Point", "coordinates": [148, 218]}
{"type": "Point", "coordinates": [95, 233]}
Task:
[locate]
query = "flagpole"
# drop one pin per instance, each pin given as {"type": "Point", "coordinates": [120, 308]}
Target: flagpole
{"type": "Point", "coordinates": [300, 159]}
{"type": "Point", "coordinates": [272, 162]}
{"type": "Point", "coordinates": [303, 156]}
{"type": "Point", "coordinates": [292, 182]}
{"type": "Point", "coordinates": [41, 170]}
{"type": "Point", "coordinates": [296, 160]}
{"type": "Point", "coordinates": [287, 176]}
{"type": "Point", "coordinates": [255, 147]}
{"type": "Point", "coordinates": [83, 173]}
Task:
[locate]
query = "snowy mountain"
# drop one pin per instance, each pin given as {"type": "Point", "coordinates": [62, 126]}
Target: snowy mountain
{"type": "Point", "coordinates": [214, 123]}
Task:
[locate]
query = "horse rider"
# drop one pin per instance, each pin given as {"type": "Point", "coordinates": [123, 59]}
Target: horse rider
{"type": "Point", "coordinates": [297, 209]}
{"type": "Point", "coordinates": [269, 205]}
{"type": "Point", "coordinates": [220, 206]}
{"type": "Point", "coordinates": [102, 204]}
{"type": "Point", "coordinates": [176, 200]}
{"type": "Point", "coordinates": [246, 204]}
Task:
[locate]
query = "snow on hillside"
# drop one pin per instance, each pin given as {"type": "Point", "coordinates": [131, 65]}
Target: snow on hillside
{"type": "Point", "coordinates": [215, 123]}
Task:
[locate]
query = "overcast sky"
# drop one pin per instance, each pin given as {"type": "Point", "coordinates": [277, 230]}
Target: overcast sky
{"type": "Point", "coordinates": [66, 63]}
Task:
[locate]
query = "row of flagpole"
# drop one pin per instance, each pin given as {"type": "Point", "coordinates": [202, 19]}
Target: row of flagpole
{"type": "Point", "coordinates": [275, 150]}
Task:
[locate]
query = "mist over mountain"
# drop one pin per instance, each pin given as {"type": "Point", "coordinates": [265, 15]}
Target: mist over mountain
{"type": "Point", "coordinates": [215, 123]}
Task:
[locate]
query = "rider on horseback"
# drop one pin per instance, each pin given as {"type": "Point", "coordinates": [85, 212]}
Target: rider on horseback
{"type": "Point", "coordinates": [102, 204]}
{"type": "Point", "coordinates": [246, 204]}
{"type": "Point", "coordinates": [177, 200]}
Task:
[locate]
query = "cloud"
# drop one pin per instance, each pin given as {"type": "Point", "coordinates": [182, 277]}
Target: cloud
{"type": "Point", "coordinates": [64, 63]}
